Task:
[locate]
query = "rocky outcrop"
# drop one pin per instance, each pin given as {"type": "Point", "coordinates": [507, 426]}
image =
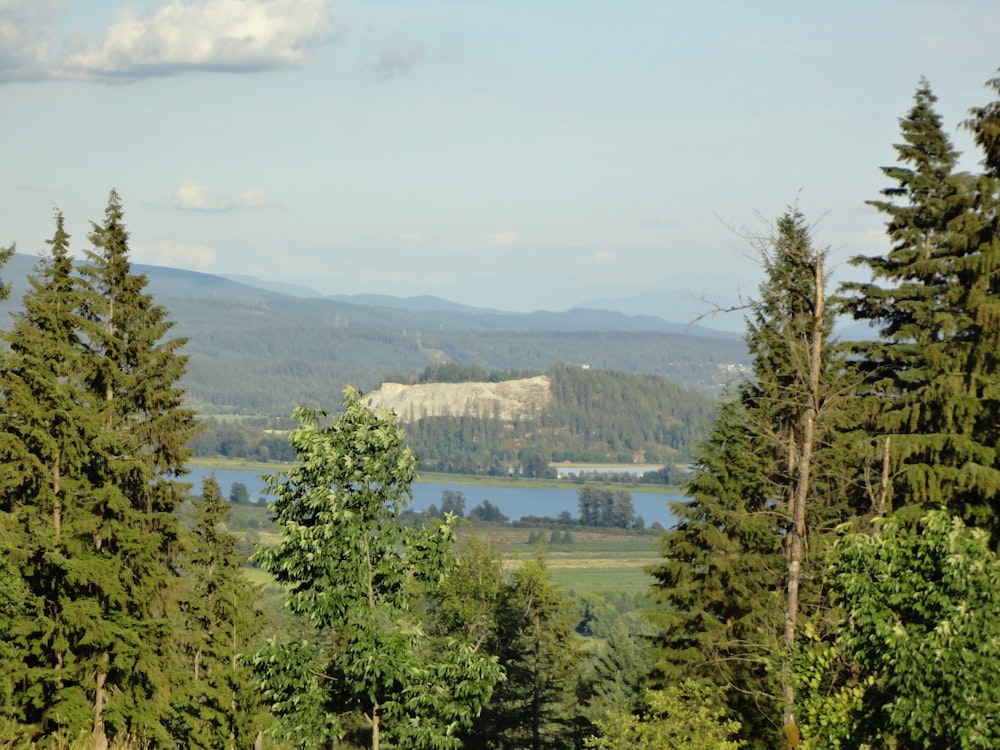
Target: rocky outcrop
{"type": "Point", "coordinates": [506, 400]}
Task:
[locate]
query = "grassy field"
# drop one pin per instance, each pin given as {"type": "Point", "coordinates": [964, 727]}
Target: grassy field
{"type": "Point", "coordinates": [598, 561]}
{"type": "Point", "coordinates": [595, 561]}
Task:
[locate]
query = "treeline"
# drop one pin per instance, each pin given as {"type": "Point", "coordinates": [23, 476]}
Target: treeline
{"type": "Point", "coordinates": [260, 363]}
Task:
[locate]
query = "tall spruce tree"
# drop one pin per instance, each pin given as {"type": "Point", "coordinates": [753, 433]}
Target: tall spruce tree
{"type": "Point", "coordinates": [45, 437]}
{"type": "Point", "coordinates": [933, 402]}
{"type": "Point", "coordinates": [94, 434]}
{"type": "Point", "coordinates": [735, 577]}
{"type": "Point", "coordinates": [132, 370]}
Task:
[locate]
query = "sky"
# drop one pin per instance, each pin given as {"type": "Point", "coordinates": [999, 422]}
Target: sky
{"type": "Point", "coordinates": [499, 153]}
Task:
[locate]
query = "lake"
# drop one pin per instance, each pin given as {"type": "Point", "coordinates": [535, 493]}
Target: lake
{"type": "Point", "coordinates": [512, 501]}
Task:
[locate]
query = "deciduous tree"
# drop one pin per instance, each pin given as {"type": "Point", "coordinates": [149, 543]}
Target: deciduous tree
{"type": "Point", "coordinates": [923, 623]}
{"type": "Point", "coordinates": [357, 574]}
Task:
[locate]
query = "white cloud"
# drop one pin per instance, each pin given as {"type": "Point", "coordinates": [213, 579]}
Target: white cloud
{"type": "Point", "coordinates": [175, 37]}
{"type": "Point", "coordinates": [25, 41]}
{"type": "Point", "coordinates": [188, 255]}
{"type": "Point", "coordinates": [502, 238]}
{"type": "Point", "coordinates": [606, 257]}
{"type": "Point", "coordinates": [193, 196]}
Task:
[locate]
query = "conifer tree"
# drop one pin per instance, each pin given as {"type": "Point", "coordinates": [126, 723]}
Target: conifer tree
{"type": "Point", "coordinates": [94, 432]}
{"type": "Point", "coordinates": [535, 706]}
{"type": "Point", "coordinates": [222, 705]}
{"type": "Point", "coordinates": [45, 437]}
{"type": "Point", "coordinates": [735, 575]}
{"type": "Point", "coordinates": [132, 370]}
{"type": "Point", "coordinates": [929, 380]}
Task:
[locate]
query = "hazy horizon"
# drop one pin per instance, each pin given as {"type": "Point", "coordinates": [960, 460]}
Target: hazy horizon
{"type": "Point", "coordinates": [501, 155]}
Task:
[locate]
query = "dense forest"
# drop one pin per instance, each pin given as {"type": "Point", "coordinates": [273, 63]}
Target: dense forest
{"type": "Point", "coordinates": [832, 581]}
{"type": "Point", "coordinates": [594, 416]}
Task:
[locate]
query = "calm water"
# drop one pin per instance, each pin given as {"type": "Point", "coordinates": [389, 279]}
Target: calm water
{"type": "Point", "coordinates": [512, 501]}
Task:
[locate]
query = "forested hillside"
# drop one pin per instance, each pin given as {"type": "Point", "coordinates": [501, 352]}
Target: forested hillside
{"type": "Point", "coordinates": [589, 415]}
{"type": "Point", "coordinates": [257, 352]}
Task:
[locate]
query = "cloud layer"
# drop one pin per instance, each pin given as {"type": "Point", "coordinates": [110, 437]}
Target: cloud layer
{"type": "Point", "coordinates": [178, 36]}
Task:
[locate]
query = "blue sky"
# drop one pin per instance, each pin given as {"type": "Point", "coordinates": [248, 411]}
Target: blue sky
{"type": "Point", "coordinates": [508, 154]}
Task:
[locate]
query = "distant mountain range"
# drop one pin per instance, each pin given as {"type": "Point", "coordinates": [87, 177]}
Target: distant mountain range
{"type": "Point", "coordinates": [258, 347]}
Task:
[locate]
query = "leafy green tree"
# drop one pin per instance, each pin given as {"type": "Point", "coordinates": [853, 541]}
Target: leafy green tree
{"type": "Point", "coordinates": [687, 716]}
{"type": "Point", "coordinates": [239, 494]}
{"type": "Point", "coordinates": [488, 513]}
{"type": "Point", "coordinates": [923, 624]}
{"type": "Point", "coordinates": [357, 575]}
{"type": "Point", "coordinates": [221, 708]}
{"type": "Point", "coordinates": [453, 502]}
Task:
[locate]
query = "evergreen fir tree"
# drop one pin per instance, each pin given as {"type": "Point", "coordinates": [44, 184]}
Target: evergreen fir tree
{"type": "Point", "coordinates": [735, 575]}
{"type": "Point", "coordinates": [45, 439]}
{"type": "Point", "coordinates": [138, 454]}
{"type": "Point", "coordinates": [92, 439]}
{"type": "Point", "coordinates": [930, 381]}
{"type": "Point", "coordinates": [720, 581]}
{"type": "Point", "coordinates": [536, 705]}
{"type": "Point", "coordinates": [222, 707]}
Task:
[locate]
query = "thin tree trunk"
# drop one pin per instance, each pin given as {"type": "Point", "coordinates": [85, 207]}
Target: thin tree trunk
{"type": "Point", "coordinates": [376, 740]}
{"type": "Point", "coordinates": [881, 505]}
{"type": "Point", "coordinates": [100, 701]}
{"type": "Point", "coordinates": [797, 532]}
{"type": "Point", "coordinates": [536, 689]}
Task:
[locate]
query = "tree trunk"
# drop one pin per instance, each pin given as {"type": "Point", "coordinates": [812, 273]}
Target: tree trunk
{"type": "Point", "coordinates": [800, 492]}
{"type": "Point", "coordinates": [100, 701]}
{"type": "Point", "coordinates": [376, 740]}
{"type": "Point", "coordinates": [536, 689]}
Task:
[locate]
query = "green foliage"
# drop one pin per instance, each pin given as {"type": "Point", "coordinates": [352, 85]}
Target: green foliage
{"type": "Point", "coordinates": [594, 415]}
{"type": "Point", "coordinates": [686, 716]}
{"type": "Point", "coordinates": [488, 513]}
{"type": "Point", "coordinates": [719, 583]}
{"type": "Point", "coordinates": [221, 706]}
{"type": "Point", "coordinates": [729, 611]}
{"type": "Point", "coordinates": [828, 691]}
{"type": "Point", "coordinates": [923, 624]}
{"type": "Point", "coordinates": [606, 508]}
{"type": "Point", "coordinates": [239, 494]}
{"type": "Point", "coordinates": [356, 574]}
{"type": "Point", "coordinates": [536, 706]}
{"type": "Point", "coordinates": [92, 440]}
{"type": "Point", "coordinates": [928, 378]}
